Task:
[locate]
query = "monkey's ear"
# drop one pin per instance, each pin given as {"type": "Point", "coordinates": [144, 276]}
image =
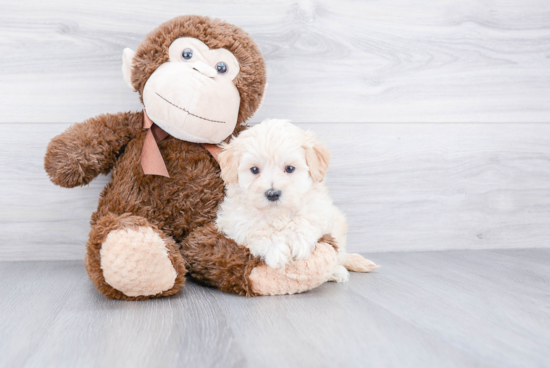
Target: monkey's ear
{"type": "Point", "coordinates": [229, 164]}
{"type": "Point", "coordinates": [127, 63]}
{"type": "Point", "coordinates": [317, 157]}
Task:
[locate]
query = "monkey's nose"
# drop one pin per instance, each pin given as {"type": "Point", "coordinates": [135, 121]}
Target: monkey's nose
{"type": "Point", "coordinates": [273, 195]}
{"type": "Point", "coordinates": [204, 69]}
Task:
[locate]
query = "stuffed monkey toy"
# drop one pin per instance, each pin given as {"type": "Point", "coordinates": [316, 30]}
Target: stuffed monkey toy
{"type": "Point", "coordinates": [199, 80]}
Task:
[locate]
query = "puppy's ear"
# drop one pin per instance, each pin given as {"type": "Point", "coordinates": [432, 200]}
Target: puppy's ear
{"type": "Point", "coordinates": [317, 157]}
{"type": "Point", "coordinates": [229, 163]}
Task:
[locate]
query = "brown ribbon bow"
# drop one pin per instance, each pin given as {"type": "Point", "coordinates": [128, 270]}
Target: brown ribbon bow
{"type": "Point", "coordinates": [151, 158]}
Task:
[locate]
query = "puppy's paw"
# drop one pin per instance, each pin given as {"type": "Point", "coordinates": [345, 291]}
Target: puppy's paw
{"type": "Point", "coordinates": [302, 246]}
{"type": "Point", "coordinates": [340, 274]}
{"type": "Point", "coordinates": [277, 255]}
{"type": "Point", "coordinates": [357, 263]}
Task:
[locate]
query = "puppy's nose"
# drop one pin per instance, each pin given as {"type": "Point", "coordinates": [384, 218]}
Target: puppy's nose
{"type": "Point", "coordinates": [273, 195]}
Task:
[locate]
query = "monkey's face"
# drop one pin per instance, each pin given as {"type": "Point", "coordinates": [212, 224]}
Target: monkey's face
{"type": "Point", "coordinates": [192, 96]}
{"type": "Point", "coordinates": [199, 78]}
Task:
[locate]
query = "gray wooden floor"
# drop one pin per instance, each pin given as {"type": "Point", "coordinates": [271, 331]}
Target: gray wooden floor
{"type": "Point", "coordinates": [421, 309]}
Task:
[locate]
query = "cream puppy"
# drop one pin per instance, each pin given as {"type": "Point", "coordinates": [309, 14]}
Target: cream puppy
{"type": "Point", "coordinates": [276, 203]}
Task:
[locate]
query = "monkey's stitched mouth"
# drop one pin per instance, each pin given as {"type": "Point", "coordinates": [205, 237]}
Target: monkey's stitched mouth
{"type": "Point", "coordinates": [190, 113]}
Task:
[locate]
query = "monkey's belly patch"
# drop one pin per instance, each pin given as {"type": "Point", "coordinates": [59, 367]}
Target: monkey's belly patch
{"type": "Point", "coordinates": [136, 262]}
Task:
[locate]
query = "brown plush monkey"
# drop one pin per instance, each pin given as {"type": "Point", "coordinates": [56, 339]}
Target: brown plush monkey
{"type": "Point", "coordinates": [199, 79]}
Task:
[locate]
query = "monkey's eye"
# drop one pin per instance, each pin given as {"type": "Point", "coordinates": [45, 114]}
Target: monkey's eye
{"type": "Point", "coordinates": [187, 54]}
{"type": "Point", "coordinates": [255, 170]}
{"type": "Point", "coordinates": [221, 67]}
{"type": "Point", "coordinates": [289, 169]}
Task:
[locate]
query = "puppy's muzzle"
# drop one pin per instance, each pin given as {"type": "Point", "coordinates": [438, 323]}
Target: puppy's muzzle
{"type": "Point", "coordinates": [273, 195]}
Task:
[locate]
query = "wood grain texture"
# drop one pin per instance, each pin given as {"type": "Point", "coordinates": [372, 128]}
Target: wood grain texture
{"type": "Point", "coordinates": [403, 187]}
{"type": "Point", "coordinates": [427, 309]}
{"type": "Point", "coordinates": [328, 61]}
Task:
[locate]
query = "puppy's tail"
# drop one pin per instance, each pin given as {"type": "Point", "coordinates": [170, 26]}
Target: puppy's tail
{"type": "Point", "coordinates": [357, 263]}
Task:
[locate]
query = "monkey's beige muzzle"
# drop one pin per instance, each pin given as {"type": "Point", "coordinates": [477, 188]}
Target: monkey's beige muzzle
{"type": "Point", "coordinates": [192, 102]}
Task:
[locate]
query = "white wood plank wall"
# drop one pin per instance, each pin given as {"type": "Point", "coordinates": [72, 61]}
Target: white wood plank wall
{"type": "Point", "coordinates": [438, 113]}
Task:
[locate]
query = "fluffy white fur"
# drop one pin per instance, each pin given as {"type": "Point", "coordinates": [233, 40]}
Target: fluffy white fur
{"type": "Point", "coordinates": [286, 229]}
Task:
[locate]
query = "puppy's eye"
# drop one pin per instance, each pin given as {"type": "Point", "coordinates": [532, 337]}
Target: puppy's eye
{"type": "Point", "coordinates": [187, 54]}
{"type": "Point", "coordinates": [289, 169]}
{"type": "Point", "coordinates": [255, 170]}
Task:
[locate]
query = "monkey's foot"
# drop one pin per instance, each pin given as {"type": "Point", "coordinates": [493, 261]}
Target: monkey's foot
{"type": "Point", "coordinates": [136, 262]}
{"type": "Point", "coordinates": [130, 259]}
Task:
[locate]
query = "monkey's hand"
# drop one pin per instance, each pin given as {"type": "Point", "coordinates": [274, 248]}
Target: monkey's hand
{"type": "Point", "coordinates": [88, 149]}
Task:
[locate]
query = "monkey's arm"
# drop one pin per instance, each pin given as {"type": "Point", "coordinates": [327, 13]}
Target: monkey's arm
{"type": "Point", "coordinates": [216, 260]}
{"type": "Point", "coordinates": [88, 149]}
